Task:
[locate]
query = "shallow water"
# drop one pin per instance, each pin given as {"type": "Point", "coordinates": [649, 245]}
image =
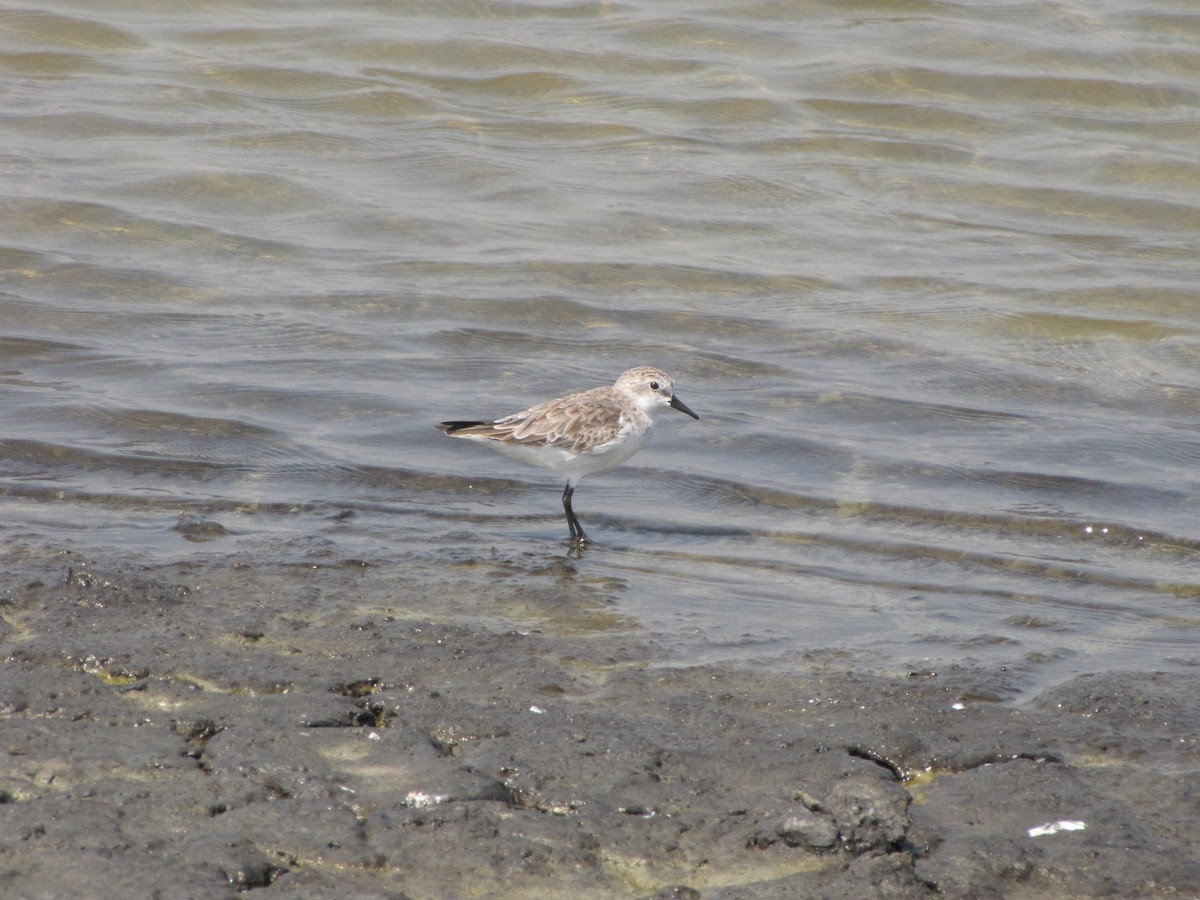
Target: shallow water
{"type": "Point", "coordinates": [927, 272]}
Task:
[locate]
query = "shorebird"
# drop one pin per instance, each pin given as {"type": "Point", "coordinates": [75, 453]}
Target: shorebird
{"type": "Point", "coordinates": [582, 433]}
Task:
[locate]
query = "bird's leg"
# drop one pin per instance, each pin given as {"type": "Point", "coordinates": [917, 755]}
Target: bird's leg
{"type": "Point", "coordinates": [577, 535]}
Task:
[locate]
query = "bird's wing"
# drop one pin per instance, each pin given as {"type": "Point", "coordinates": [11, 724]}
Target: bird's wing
{"type": "Point", "coordinates": [579, 423]}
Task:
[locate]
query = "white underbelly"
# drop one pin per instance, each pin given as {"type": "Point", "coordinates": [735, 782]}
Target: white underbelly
{"type": "Point", "coordinates": [573, 465]}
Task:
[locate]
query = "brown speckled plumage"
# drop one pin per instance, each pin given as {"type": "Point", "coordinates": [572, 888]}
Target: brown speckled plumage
{"type": "Point", "coordinates": [581, 433]}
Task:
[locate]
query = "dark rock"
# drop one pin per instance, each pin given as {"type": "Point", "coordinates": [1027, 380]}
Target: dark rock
{"type": "Point", "coordinates": [870, 813]}
{"type": "Point", "coordinates": [802, 828]}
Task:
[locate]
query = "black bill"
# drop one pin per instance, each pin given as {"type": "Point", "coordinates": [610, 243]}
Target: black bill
{"type": "Point", "coordinates": [678, 404]}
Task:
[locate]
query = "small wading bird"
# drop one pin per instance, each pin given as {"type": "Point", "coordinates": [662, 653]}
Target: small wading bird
{"type": "Point", "coordinates": [581, 433]}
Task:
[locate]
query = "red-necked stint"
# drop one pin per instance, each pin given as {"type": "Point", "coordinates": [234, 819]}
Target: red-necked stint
{"type": "Point", "coordinates": [581, 433]}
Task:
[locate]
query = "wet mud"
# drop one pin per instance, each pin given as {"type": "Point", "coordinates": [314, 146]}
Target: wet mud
{"type": "Point", "coordinates": [334, 729]}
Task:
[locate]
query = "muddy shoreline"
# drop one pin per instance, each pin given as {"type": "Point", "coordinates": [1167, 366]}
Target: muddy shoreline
{"type": "Point", "coordinates": [332, 728]}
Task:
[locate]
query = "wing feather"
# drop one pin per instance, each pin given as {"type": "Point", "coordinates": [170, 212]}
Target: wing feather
{"type": "Point", "coordinates": [577, 423]}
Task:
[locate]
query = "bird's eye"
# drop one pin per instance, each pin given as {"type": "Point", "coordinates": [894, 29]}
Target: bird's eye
{"type": "Point", "coordinates": [654, 385]}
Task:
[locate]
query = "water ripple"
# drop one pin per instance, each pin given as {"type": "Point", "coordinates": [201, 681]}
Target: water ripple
{"type": "Point", "coordinates": [926, 271]}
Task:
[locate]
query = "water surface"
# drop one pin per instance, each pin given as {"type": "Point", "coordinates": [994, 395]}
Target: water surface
{"type": "Point", "coordinates": [926, 271]}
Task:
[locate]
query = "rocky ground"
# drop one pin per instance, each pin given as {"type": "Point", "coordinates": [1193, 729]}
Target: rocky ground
{"type": "Point", "coordinates": [333, 730]}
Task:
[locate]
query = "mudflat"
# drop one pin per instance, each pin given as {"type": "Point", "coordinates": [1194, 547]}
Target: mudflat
{"type": "Point", "coordinates": [336, 729]}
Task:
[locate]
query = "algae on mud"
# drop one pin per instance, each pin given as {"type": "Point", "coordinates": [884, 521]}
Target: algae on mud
{"type": "Point", "coordinates": [350, 746]}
